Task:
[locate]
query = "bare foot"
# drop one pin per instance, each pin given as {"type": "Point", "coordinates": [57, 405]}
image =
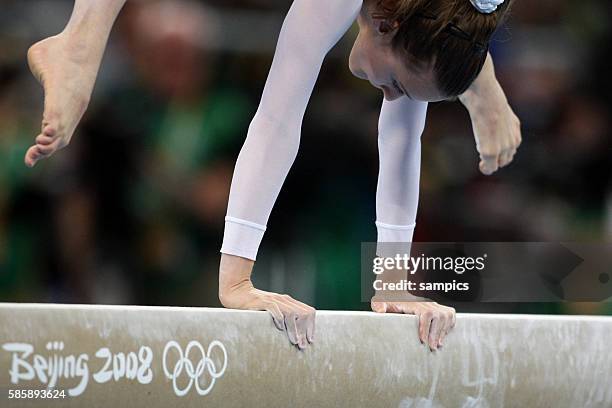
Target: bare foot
{"type": "Point", "coordinates": [67, 71]}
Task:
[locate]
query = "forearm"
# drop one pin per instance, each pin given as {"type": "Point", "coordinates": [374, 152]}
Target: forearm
{"type": "Point", "coordinates": [483, 89]}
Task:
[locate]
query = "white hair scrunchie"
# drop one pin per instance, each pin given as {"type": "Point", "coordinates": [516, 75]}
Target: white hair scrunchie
{"type": "Point", "coordinates": [487, 6]}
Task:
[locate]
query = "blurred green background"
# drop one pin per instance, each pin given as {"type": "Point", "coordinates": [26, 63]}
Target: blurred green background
{"type": "Point", "coordinates": [132, 211]}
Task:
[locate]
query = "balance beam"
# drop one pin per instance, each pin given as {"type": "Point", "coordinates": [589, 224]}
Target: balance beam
{"type": "Point", "coordinates": [101, 356]}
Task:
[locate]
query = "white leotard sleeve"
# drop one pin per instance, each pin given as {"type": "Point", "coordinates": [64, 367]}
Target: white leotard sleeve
{"type": "Point", "coordinates": [400, 128]}
{"type": "Point", "coordinates": [310, 30]}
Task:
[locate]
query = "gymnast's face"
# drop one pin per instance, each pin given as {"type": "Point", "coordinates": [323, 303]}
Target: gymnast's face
{"type": "Point", "coordinates": [374, 60]}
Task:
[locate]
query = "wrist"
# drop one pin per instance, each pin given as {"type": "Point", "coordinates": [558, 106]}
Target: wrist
{"type": "Point", "coordinates": [234, 275]}
{"type": "Point", "coordinates": [482, 89]}
{"type": "Point", "coordinates": [484, 97]}
{"type": "Point", "coordinates": [477, 94]}
{"type": "Point", "coordinates": [469, 98]}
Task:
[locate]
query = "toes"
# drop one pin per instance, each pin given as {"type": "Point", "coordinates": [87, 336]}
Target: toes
{"type": "Point", "coordinates": [44, 140]}
{"type": "Point", "coordinates": [39, 152]}
{"type": "Point", "coordinates": [46, 150]}
{"type": "Point", "coordinates": [32, 156]}
{"type": "Point", "coordinates": [49, 131]}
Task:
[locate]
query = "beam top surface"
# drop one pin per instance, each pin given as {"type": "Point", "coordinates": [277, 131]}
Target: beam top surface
{"type": "Point", "coordinates": [170, 356]}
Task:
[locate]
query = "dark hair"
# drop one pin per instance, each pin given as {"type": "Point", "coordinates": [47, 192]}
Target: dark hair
{"type": "Point", "coordinates": [450, 34]}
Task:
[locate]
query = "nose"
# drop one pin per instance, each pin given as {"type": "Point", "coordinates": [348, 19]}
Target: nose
{"type": "Point", "coordinates": [356, 63]}
{"type": "Point", "coordinates": [357, 71]}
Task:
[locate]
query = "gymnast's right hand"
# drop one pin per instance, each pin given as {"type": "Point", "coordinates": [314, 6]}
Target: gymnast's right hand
{"type": "Point", "coordinates": [236, 291]}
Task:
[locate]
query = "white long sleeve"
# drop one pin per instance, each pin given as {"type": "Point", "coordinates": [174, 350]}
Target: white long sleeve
{"type": "Point", "coordinates": [400, 128]}
{"type": "Point", "coordinates": [310, 30]}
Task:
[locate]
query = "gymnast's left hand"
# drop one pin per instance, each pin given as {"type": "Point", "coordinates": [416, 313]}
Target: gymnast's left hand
{"type": "Point", "coordinates": [435, 320]}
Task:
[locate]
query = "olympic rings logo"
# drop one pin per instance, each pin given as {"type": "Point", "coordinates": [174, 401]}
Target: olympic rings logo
{"type": "Point", "coordinates": [194, 374]}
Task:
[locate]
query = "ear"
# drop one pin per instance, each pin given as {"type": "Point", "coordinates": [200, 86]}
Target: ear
{"type": "Point", "coordinates": [386, 27]}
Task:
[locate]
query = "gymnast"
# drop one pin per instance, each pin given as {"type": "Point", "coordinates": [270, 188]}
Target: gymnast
{"type": "Point", "coordinates": [67, 65]}
{"type": "Point", "coordinates": [415, 52]}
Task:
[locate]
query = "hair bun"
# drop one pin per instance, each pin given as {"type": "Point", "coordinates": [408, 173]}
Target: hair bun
{"type": "Point", "coordinates": [487, 6]}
